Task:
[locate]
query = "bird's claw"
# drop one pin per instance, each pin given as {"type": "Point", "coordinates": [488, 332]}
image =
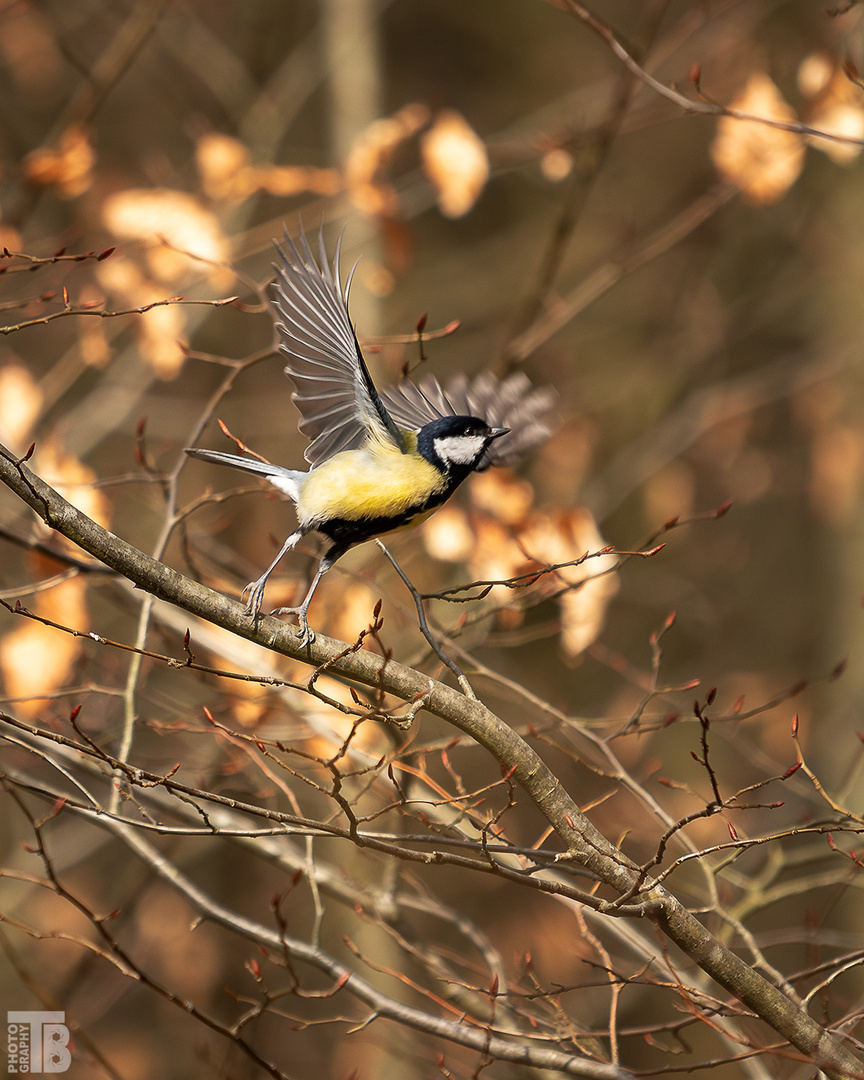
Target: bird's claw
{"type": "Point", "coordinates": [253, 609]}
{"type": "Point", "coordinates": [253, 604]}
{"type": "Point", "coordinates": [304, 632]}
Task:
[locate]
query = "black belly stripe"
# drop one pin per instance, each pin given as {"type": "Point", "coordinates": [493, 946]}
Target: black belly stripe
{"type": "Point", "coordinates": [350, 531]}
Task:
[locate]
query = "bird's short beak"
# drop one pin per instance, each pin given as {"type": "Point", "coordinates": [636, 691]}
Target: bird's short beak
{"type": "Point", "coordinates": [497, 432]}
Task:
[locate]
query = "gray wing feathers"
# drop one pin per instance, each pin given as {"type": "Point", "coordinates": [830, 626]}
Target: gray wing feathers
{"type": "Point", "coordinates": [511, 402]}
{"type": "Point", "coordinates": [334, 393]}
{"type": "Point", "coordinates": [339, 405]}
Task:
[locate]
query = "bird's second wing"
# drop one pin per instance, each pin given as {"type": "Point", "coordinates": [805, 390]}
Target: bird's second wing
{"type": "Point", "coordinates": [511, 402]}
{"type": "Point", "coordinates": [334, 392]}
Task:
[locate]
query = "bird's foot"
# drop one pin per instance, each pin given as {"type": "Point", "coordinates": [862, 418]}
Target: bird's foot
{"type": "Point", "coordinates": [306, 635]}
{"type": "Point", "coordinates": [256, 595]}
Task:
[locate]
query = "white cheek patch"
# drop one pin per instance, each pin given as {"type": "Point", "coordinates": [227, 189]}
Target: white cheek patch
{"type": "Point", "coordinates": [459, 449]}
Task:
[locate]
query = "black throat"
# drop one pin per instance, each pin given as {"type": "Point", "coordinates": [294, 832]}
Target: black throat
{"type": "Point", "coordinates": [448, 426]}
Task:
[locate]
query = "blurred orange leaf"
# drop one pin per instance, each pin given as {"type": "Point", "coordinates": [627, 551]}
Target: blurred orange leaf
{"type": "Point", "coordinates": [73, 479]}
{"type": "Point", "coordinates": [455, 160]}
{"type": "Point", "coordinates": [220, 159]}
{"type": "Point", "coordinates": [448, 536]}
{"type": "Point", "coordinates": [350, 609]}
{"type": "Point", "coordinates": [20, 405]}
{"type": "Point", "coordinates": [227, 174]}
{"type": "Point", "coordinates": [504, 539]}
{"type": "Point", "coordinates": [558, 538]}
{"type": "Point", "coordinates": [371, 153]}
{"type": "Point", "coordinates": [173, 226]}
{"type": "Point", "coordinates": [158, 331]}
{"type": "Point", "coordinates": [36, 660]}
{"type": "Point", "coordinates": [67, 168]}
{"type": "Point", "coordinates": [502, 494]}
{"type": "Point", "coordinates": [763, 161]}
{"type": "Point", "coordinates": [836, 106]}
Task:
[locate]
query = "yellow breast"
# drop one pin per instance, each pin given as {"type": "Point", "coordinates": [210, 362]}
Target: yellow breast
{"type": "Point", "coordinates": [373, 482]}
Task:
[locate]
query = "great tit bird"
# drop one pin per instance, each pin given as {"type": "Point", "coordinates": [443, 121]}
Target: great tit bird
{"type": "Point", "coordinates": [379, 462]}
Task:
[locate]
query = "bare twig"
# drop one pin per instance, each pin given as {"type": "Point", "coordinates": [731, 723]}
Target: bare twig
{"type": "Point", "coordinates": [68, 311]}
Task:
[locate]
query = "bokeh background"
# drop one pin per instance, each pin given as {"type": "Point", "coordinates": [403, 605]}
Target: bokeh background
{"type": "Point", "coordinates": [690, 286]}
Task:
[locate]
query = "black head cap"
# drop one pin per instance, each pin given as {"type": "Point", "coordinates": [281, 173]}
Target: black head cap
{"type": "Point", "coordinates": [457, 444]}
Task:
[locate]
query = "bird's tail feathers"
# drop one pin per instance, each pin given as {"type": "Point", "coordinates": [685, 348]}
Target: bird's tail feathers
{"type": "Point", "coordinates": [286, 480]}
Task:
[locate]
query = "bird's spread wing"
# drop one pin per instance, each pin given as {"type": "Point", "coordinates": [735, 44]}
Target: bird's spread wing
{"type": "Point", "coordinates": [511, 402]}
{"type": "Point", "coordinates": [337, 399]}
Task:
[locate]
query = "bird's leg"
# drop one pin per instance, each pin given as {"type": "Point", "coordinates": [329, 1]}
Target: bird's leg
{"type": "Point", "coordinates": [256, 588]}
{"type": "Point", "coordinates": [307, 636]}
